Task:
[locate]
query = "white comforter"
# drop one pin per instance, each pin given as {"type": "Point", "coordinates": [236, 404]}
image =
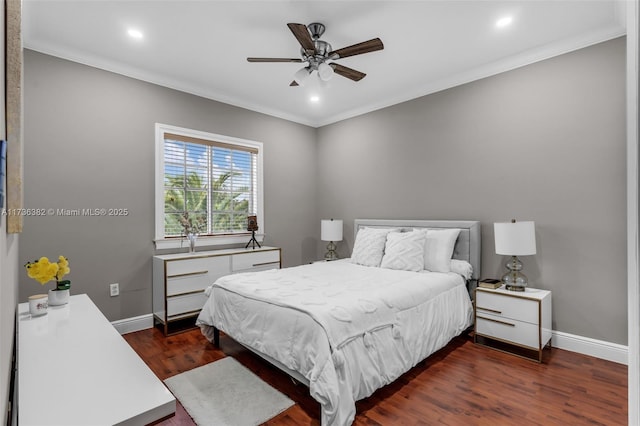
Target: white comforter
{"type": "Point", "coordinates": [348, 329]}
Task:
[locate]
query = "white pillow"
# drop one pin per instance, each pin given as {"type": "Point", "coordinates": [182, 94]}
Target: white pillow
{"type": "Point", "coordinates": [438, 249]}
{"type": "Point", "coordinates": [368, 248]}
{"type": "Point", "coordinates": [404, 251]}
{"type": "Point", "coordinates": [462, 267]}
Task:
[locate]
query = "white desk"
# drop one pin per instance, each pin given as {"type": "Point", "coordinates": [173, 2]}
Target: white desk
{"type": "Point", "coordinates": [75, 369]}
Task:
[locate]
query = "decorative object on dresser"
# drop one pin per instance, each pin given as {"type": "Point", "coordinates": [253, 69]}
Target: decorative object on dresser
{"type": "Point", "coordinates": [179, 280]}
{"type": "Point", "coordinates": [192, 226]}
{"type": "Point", "coordinates": [331, 230]}
{"type": "Point", "coordinates": [43, 271]}
{"type": "Point", "coordinates": [518, 323]}
{"type": "Point", "coordinates": [515, 239]}
{"type": "Point", "coordinates": [491, 283]}
{"type": "Point", "coordinates": [252, 225]}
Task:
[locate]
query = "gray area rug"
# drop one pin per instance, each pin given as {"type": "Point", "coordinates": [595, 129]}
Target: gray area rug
{"type": "Point", "coordinates": [225, 392]}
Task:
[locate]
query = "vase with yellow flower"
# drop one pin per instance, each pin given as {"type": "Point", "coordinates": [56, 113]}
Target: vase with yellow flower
{"type": "Point", "coordinates": [43, 271]}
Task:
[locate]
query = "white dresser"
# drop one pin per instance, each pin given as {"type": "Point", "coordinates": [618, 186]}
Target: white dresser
{"type": "Point", "coordinates": [74, 368]}
{"type": "Point", "coordinates": [179, 280]}
{"type": "Point", "coordinates": [520, 319]}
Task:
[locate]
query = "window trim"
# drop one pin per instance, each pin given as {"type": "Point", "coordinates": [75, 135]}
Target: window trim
{"type": "Point", "coordinates": [210, 240]}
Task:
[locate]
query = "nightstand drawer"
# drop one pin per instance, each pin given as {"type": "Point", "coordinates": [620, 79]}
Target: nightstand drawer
{"type": "Point", "coordinates": [507, 306]}
{"type": "Point", "coordinates": [508, 330]}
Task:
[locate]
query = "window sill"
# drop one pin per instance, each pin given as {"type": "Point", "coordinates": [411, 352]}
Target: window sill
{"type": "Point", "coordinates": [209, 241]}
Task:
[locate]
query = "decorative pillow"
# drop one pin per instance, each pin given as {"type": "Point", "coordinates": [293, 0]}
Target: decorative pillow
{"type": "Point", "coordinates": [404, 251]}
{"type": "Point", "coordinates": [368, 248]}
{"type": "Point", "coordinates": [438, 249]}
{"type": "Point", "coordinates": [462, 267]}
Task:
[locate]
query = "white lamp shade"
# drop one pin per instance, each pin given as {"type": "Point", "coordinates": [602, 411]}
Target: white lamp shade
{"type": "Point", "coordinates": [301, 76]}
{"type": "Point", "coordinates": [325, 72]}
{"type": "Point", "coordinates": [331, 230]}
{"type": "Point", "coordinates": [515, 238]}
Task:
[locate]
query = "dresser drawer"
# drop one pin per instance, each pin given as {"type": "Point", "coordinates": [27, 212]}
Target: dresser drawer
{"type": "Point", "coordinates": [506, 306]}
{"type": "Point", "coordinates": [508, 330]}
{"type": "Point", "coordinates": [197, 265]}
{"type": "Point", "coordinates": [189, 275]}
{"type": "Point", "coordinates": [188, 284]}
{"type": "Point", "coordinates": [252, 261]}
{"type": "Point", "coordinates": [177, 305]}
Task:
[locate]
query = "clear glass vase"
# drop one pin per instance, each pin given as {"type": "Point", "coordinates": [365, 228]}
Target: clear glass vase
{"type": "Point", "coordinates": [192, 238]}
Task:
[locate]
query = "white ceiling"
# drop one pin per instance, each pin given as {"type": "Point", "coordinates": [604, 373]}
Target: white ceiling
{"type": "Point", "coordinates": [201, 47]}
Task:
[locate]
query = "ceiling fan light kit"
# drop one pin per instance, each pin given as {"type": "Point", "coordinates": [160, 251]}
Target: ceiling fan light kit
{"type": "Point", "coordinates": [325, 72]}
{"type": "Point", "coordinates": [301, 76]}
{"type": "Point", "coordinates": [316, 53]}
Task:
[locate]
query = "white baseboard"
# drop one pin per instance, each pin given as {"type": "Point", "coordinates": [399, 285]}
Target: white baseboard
{"type": "Point", "coordinates": [592, 347]}
{"type": "Point", "coordinates": [129, 325]}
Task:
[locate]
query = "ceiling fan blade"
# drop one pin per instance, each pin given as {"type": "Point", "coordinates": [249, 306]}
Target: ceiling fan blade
{"type": "Point", "coordinates": [358, 49]}
{"type": "Point", "coordinates": [274, 60]}
{"type": "Point", "coordinates": [294, 83]}
{"type": "Point", "coordinates": [304, 38]}
{"type": "Point", "coordinates": [347, 72]}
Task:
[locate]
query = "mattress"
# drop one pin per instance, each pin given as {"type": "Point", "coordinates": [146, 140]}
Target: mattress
{"type": "Point", "coordinates": [347, 329]}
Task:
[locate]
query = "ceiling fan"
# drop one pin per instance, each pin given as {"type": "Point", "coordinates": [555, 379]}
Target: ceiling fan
{"type": "Point", "coordinates": [317, 52]}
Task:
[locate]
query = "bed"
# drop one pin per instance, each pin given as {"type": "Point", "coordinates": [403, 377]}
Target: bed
{"type": "Point", "coordinates": [346, 328]}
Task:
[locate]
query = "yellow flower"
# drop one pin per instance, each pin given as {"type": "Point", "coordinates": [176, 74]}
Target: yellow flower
{"type": "Point", "coordinates": [63, 267]}
{"type": "Point", "coordinates": [43, 271]}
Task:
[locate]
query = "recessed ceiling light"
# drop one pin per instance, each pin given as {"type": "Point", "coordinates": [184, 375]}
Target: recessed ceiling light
{"type": "Point", "coordinates": [133, 33]}
{"type": "Point", "coordinates": [504, 22]}
{"type": "Point", "coordinates": [314, 98]}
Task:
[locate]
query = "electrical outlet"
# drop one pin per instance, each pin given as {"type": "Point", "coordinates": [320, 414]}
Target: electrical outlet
{"type": "Point", "coordinates": [114, 289]}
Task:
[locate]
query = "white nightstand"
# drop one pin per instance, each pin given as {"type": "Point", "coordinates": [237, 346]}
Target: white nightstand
{"type": "Point", "coordinates": [521, 320]}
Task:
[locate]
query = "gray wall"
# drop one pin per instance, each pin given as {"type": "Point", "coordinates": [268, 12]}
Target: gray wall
{"type": "Point", "coordinates": [89, 143]}
{"type": "Point", "coordinates": [544, 142]}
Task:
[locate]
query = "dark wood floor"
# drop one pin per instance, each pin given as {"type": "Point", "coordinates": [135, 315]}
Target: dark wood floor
{"type": "Point", "coordinates": [462, 384]}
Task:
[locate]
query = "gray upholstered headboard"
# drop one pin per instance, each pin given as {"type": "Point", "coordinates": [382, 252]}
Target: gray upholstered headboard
{"type": "Point", "coordinates": [467, 246]}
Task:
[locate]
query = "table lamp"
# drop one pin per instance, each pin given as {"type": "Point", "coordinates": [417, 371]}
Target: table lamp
{"type": "Point", "coordinates": [331, 230]}
{"type": "Point", "coordinates": [515, 239]}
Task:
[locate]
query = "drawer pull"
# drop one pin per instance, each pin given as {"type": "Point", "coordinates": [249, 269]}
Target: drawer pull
{"type": "Point", "coordinates": [499, 322]}
{"type": "Point", "coordinates": [183, 314]}
{"type": "Point", "coordinates": [265, 263]}
{"type": "Point", "coordinates": [188, 274]}
{"type": "Point", "coordinates": [186, 293]}
{"type": "Point", "coordinates": [488, 310]}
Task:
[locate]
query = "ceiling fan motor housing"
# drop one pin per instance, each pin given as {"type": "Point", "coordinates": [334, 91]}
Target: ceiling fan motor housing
{"type": "Point", "coordinates": [322, 48]}
{"type": "Point", "coordinates": [316, 29]}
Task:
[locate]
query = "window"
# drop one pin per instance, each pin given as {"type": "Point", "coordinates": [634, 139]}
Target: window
{"type": "Point", "coordinates": [205, 183]}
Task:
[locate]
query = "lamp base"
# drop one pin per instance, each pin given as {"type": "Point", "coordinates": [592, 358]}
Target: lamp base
{"type": "Point", "coordinates": [514, 280]}
{"type": "Point", "coordinates": [515, 287]}
{"type": "Point", "coordinates": [331, 252]}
